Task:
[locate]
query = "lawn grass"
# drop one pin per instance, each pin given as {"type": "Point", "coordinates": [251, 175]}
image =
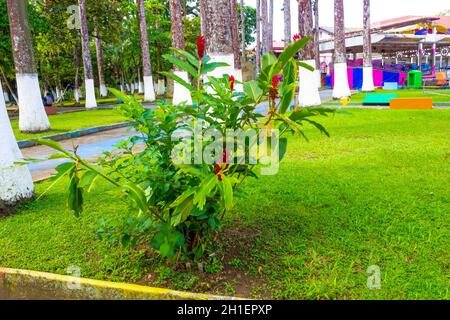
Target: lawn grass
{"type": "Point", "coordinates": [375, 193]}
{"type": "Point", "coordinates": [72, 121]}
{"type": "Point", "coordinates": [439, 96]}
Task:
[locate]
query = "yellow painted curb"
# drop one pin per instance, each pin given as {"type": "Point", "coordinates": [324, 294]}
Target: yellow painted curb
{"type": "Point", "coordinates": [25, 284]}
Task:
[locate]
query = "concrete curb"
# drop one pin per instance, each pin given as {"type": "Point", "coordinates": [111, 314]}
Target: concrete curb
{"type": "Point", "coordinates": [74, 134]}
{"type": "Point", "coordinates": [25, 284]}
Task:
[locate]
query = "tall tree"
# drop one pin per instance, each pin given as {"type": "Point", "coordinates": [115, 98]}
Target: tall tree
{"type": "Point", "coordinates": [341, 87]}
{"type": "Point", "coordinates": [180, 93]}
{"type": "Point", "coordinates": [316, 33]}
{"type": "Point", "coordinates": [270, 27]}
{"type": "Point", "coordinates": [100, 63]}
{"type": "Point", "coordinates": [258, 35]}
{"type": "Point", "coordinates": [309, 84]}
{"type": "Point", "coordinates": [149, 90]}
{"type": "Point", "coordinates": [16, 185]}
{"type": "Point", "coordinates": [287, 22]}
{"type": "Point", "coordinates": [264, 27]}
{"type": "Point", "coordinates": [32, 116]}
{"type": "Point", "coordinates": [91, 101]}
{"type": "Point", "coordinates": [76, 86]}
{"type": "Point", "coordinates": [218, 35]}
{"type": "Point", "coordinates": [242, 11]}
{"type": "Point", "coordinates": [235, 34]}
{"type": "Point", "coordinates": [368, 84]}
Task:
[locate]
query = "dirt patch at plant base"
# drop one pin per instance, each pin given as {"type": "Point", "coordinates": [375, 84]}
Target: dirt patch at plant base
{"type": "Point", "coordinates": [227, 270]}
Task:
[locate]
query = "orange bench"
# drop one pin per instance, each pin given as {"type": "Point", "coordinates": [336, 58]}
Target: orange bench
{"type": "Point", "coordinates": [411, 103]}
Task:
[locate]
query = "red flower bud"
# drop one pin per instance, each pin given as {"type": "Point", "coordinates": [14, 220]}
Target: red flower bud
{"type": "Point", "coordinates": [231, 81]}
{"type": "Point", "coordinates": [201, 46]}
{"type": "Point", "coordinates": [275, 81]}
{"type": "Point", "coordinates": [217, 169]}
{"type": "Point", "coordinates": [296, 37]}
{"type": "Point", "coordinates": [274, 90]}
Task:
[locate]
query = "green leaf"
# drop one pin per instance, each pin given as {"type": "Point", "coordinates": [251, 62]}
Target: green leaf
{"type": "Point", "coordinates": [166, 250]}
{"type": "Point", "coordinates": [288, 54]}
{"type": "Point", "coordinates": [205, 189]}
{"type": "Point", "coordinates": [193, 60]}
{"type": "Point", "coordinates": [282, 148]}
{"type": "Point", "coordinates": [252, 90]}
{"type": "Point", "coordinates": [118, 94]}
{"type": "Point", "coordinates": [54, 145]}
{"type": "Point", "coordinates": [87, 179]}
{"type": "Point", "coordinates": [286, 99]}
{"type": "Point", "coordinates": [212, 66]}
{"type": "Point", "coordinates": [137, 195]}
{"type": "Point", "coordinates": [268, 60]}
{"type": "Point", "coordinates": [318, 126]}
{"type": "Point", "coordinates": [179, 80]}
{"type": "Point", "coordinates": [75, 199]}
{"type": "Point", "coordinates": [182, 64]}
{"type": "Point", "coordinates": [227, 192]}
{"type": "Point", "coordinates": [305, 65]}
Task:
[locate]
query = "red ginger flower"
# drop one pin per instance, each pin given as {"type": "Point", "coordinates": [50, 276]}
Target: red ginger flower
{"type": "Point", "coordinates": [201, 46]}
{"type": "Point", "coordinates": [273, 90]}
{"type": "Point", "coordinates": [231, 81]}
{"type": "Point", "coordinates": [218, 167]}
{"type": "Point", "coordinates": [296, 37]}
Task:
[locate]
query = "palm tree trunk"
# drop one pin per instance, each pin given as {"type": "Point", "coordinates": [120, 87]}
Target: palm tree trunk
{"type": "Point", "coordinates": [307, 28]}
{"type": "Point", "coordinates": [219, 36]}
{"type": "Point", "coordinates": [287, 22]}
{"type": "Point", "coordinates": [258, 35]}
{"type": "Point", "coordinates": [149, 90]}
{"type": "Point", "coordinates": [264, 27]}
{"type": "Point", "coordinates": [270, 27]}
{"type": "Point", "coordinates": [309, 80]}
{"type": "Point", "coordinates": [32, 116]}
{"type": "Point", "coordinates": [180, 93]}
{"type": "Point", "coordinates": [235, 34]}
{"type": "Point", "coordinates": [16, 185]}
{"type": "Point", "coordinates": [87, 62]}
{"type": "Point", "coordinates": [242, 6]}
{"type": "Point", "coordinates": [341, 87]}
{"type": "Point", "coordinates": [76, 86]}
{"type": "Point", "coordinates": [316, 33]}
{"type": "Point", "coordinates": [100, 63]}
{"type": "Point", "coordinates": [368, 84]}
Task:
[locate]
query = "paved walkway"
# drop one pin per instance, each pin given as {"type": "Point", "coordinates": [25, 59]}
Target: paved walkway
{"type": "Point", "coordinates": [89, 147]}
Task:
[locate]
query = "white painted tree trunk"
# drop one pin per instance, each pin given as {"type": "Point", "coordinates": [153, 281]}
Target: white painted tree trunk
{"type": "Point", "coordinates": [103, 91]}
{"type": "Point", "coordinates": [238, 87]}
{"type": "Point", "coordinates": [318, 77]}
{"type": "Point", "coordinates": [16, 184]}
{"type": "Point", "coordinates": [221, 71]}
{"type": "Point", "coordinates": [180, 93]}
{"type": "Point", "coordinates": [141, 87]}
{"type": "Point", "coordinates": [32, 116]}
{"type": "Point", "coordinates": [76, 95]}
{"type": "Point", "coordinates": [161, 88]}
{"type": "Point", "coordinates": [149, 89]}
{"type": "Point", "coordinates": [132, 87]}
{"type": "Point", "coordinates": [368, 84]}
{"type": "Point", "coordinates": [308, 95]}
{"type": "Point", "coordinates": [91, 102]}
{"type": "Point", "coordinates": [341, 88]}
{"type": "Point", "coordinates": [5, 94]}
{"type": "Point", "coordinates": [128, 87]}
{"type": "Point", "coordinates": [58, 93]}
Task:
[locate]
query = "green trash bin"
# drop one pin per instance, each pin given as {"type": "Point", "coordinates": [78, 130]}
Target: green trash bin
{"type": "Point", "coordinates": [415, 79]}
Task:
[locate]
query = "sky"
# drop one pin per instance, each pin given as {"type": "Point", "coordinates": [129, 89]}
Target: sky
{"type": "Point", "coordinates": [380, 10]}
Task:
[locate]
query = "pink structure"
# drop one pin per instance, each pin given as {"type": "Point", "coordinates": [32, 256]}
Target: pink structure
{"type": "Point", "coordinates": [378, 78]}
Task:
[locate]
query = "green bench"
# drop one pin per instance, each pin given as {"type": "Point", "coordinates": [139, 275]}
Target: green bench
{"type": "Point", "coordinates": [379, 98]}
